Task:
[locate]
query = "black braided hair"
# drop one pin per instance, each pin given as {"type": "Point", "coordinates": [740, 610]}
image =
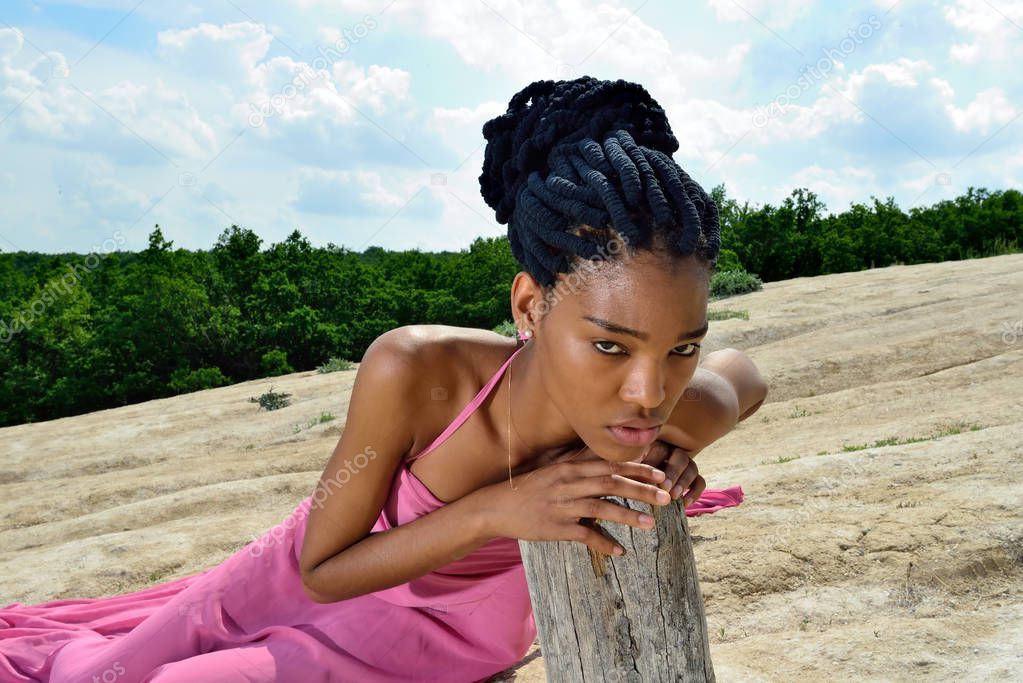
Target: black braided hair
{"type": "Point", "coordinates": [546, 175]}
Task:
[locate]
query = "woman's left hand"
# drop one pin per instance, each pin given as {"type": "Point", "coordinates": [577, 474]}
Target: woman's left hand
{"type": "Point", "coordinates": [677, 463]}
{"type": "Point", "coordinates": [680, 470]}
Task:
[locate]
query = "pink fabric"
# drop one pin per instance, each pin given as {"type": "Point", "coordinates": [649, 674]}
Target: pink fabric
{"type": "Point", "coordinates": [712, 500]}
{"type": "Point", "coordinates": [248, 618]}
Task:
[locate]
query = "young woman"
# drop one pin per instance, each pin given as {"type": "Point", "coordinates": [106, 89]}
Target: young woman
{"type": "Point", "coordinates": [400, 567]}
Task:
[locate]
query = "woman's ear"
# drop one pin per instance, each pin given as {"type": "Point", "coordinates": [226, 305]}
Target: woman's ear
{"type": "Point", "coordinates": [526, 293]}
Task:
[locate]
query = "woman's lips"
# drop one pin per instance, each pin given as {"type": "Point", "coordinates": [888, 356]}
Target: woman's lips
{"type": "Point", "coordinates": [634, 437]}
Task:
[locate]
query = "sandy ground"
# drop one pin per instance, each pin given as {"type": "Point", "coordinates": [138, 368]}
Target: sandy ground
{"type": "Point", "coordinates": [881, 536]}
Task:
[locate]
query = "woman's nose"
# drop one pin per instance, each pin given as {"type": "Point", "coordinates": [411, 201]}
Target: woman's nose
{"type": "Point", "coordinates": [645, 385]}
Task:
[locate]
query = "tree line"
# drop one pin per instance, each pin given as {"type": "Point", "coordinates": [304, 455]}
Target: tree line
{"type": "Point", "coordinates": [80, 333]}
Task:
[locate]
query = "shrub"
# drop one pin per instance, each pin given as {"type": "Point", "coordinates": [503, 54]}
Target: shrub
{"type": "Point", "coordinates": [733, 282]}
{"type": "Point", "coordinates": [728, 260]}
{"type": "Point", "coordinates": [507, 328]}
{"type": "Point", "coordinates": [726, 313]}
{"type": "Point", "coordinates": [275, 362]}
{"type": "Point", "coordinates": [272, 400]}
{"type": "Point", "coordinates": [334, 364]}
{"type": "Point", "coordinates": [184, 380]}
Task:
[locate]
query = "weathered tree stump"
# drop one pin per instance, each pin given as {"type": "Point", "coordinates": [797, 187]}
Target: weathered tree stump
{"type": "Point", "coordinates": [638, 617]}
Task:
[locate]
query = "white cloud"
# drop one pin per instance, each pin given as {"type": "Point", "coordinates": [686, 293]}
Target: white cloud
{"type": "Point", "coordinates": [90, 191]}
{"type": "Point", "coordinates": [324, 91]}
{"type": "Point", "coordinates": [359, 139]}
{"type": "Point", "coordinates": [451, 124]}
{"type": "Point", "coordinates": [993, 28]}
{"type": "Point", "coordinates": [290, 92]}
{"type": "Point", "coordinates": [361, 193]}
{"type": "Point", "coordinates": [531, 40]}
{"type": "Point", "coordinates": [777, 13]}
{"type": "Point", "coordinates": [127, 121]}
{"type": "Point", "coordinates": [338, 118]}
{"type": "Point", "coordinates": [901, 73]}
{"type": "Point", "coordinates": [377, 86]}
{"type": "Point", "coordinates": [898, 99]}
{"type": "Point", "coordinates": [943, 87]}
{"type": "Point", "coordinates": [11, 42]}
{"type": "Point", "coordinates": [967, 53]}
{"type": "Point", "coordinates": [989, 109]}
{"type": "Point", "coordinates": [837, 104]}
{"type": "Point", "coordinates": [227, 53]}
{"type": "Point", "coordinates": [307, 110]}
{"type": "Point", "coordinates": [528, 39]}
{"type": "Point", "coordinates": [698, 66]}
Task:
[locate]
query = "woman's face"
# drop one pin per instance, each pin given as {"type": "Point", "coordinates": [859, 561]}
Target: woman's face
{"type": "Point", "coordinates": [598, 372]}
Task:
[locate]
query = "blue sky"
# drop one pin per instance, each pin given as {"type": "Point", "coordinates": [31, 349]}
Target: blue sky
{"type": "Point", "coordinates": [358, 122]}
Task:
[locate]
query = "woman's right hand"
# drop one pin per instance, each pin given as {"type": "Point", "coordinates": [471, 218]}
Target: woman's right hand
{"type": "Point", "coordinates": [547, 503]}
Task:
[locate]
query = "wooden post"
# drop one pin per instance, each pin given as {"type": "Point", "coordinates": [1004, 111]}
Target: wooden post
{"type": "Point", "coordinates": [636, 618]}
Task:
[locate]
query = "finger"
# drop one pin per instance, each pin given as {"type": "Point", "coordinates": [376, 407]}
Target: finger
{"type": "Point", "coordinates": [597, 508]}
{"type": "Point", "coordinates": [597, 541]}
{"type": "Point", "coordinates": [685, 479]}
{"type": "Point", "coordinates": [674, 467]}
{"type": "Point", "coordinates": [697, 488]}
{"type": "Point", "coordinates": [614, 485]}
{"type": "Point", "coordinates": [594, 468]}
{"type": "Point", "coordinates": [656, 453]}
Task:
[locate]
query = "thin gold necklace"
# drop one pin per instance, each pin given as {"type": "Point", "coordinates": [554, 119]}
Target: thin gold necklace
{"type": "Point", "coordinates": [510, 483]}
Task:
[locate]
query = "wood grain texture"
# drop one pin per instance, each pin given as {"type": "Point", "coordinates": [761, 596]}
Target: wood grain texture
{"type": "Point", "coordinates": [634, 618]}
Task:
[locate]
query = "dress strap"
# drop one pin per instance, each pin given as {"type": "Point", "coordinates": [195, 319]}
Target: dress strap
{"type": "Point", "coordinates": [469, 408]}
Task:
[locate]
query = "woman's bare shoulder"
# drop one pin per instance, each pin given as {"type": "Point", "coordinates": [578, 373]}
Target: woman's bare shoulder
{"type": "Point", "coordinates": [447, 351]}
{"type": "Point", "coordinates": [450, 365]}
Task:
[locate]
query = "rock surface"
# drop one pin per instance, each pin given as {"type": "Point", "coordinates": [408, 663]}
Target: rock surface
{"type": "Point", "coordinates": [881, 536]}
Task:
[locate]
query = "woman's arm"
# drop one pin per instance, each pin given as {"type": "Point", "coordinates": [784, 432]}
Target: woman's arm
{"type": "Point", "coordinates": [739, 370]}
{"type": "Point", "coordinates": [341, 558]}
{"type": "Point", "coordinates": [388, 558]}
{"type": "Point", "coordinates": [725, 389]}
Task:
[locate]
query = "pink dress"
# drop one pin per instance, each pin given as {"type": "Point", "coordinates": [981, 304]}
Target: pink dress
{"type": "Point", "coordinates": [248, 618]}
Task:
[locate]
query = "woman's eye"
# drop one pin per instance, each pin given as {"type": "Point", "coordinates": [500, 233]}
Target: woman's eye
{"type": "Point", "coordinates": [602, 350]}
{"type": "Point", "coordinates": [692, 349]}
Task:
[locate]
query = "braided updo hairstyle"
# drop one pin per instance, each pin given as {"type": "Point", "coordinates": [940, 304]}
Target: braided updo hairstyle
{"type": "Point", "coordinates": [573, 165]}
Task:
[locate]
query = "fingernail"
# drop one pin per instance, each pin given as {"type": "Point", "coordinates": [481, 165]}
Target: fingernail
{"type": "Point", "coordinates": [646, 519]}
{"type": "Point", "coordinates": [662, 495]}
